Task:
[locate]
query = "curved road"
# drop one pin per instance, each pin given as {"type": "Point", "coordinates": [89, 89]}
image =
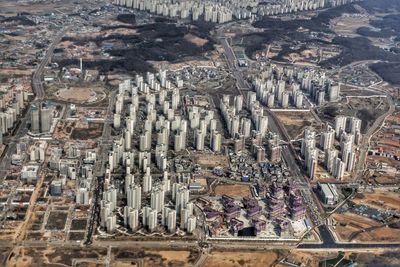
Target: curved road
{"type": "Point", "coordinates": [364, 147]}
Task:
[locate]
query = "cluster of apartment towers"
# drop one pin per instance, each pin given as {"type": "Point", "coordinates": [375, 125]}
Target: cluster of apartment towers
{"type": "Point", "coordinates": [161, 122]}
{"type": "Point", "coordinates": [154, 113]}
{"type": "Point", "coordinates": [347, 130]}
{"type": "Point", "coordinates": [285, 87]}
{"type": "Point", "coordinates": [239, 127]}
{"type": "Point", "coordinates": [221, 11]}
{"type": "Point", "coordinates": [12, 104]}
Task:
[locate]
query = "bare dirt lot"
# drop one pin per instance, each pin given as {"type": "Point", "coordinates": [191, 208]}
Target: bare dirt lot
{"type": "Point", "coordinates": [50, 256]}
{"type": "Point", "coordinates": [195, 40]}
{"type": "Point", "coordinates": [81, 94]}
{"type": "Point", "coordinates": [210, 161]}
{"type": "Point", "coordinates": [391, 178]}
{"type": "Point", "coordinates": [76, 236]}
{"type": "Point", "coordinates": [236, 190]}
{"type": "Point", "coordinates": [236, 259]}
{"type": "Point", "coordinates": [379, 200]}
{"type": "Point", "coordinates": [15, 72]}
{"type": "Point", "coordinates": [378, 259]}
{"type": "Point", "coordinates": [93, 131]}
{"type": "Point", "coordinates": [384, 234]}
{"type": "Point", "coordinates": [127, 263]}
{"type": "Point", "coordinates": [78, 224]}
{"type": "Point", "coordinates": [295, 122]}
{"type": "Point", "coordinates": [347, 25]}
{"type": "Point", "coordinates": [56, 220]}
{"type": "Point", "coordinates": [154, 258]}
{"type": "Point", "coordinates": [175, 257]}
{"type": "Point", "coordinates": [306, 258]}
{"type": "Point", "coordinates": [348, 224]}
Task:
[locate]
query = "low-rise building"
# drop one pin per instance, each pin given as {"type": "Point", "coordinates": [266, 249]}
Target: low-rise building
{"type": "Point", "coordinates": [30, 173]}
{"type": "Point", "coordinates": [328, 194]}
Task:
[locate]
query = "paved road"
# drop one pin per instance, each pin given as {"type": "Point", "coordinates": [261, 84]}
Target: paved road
{"type": "Point", "coordinates": [99, 170]}
{"type": "Point", "coordinates": [231, 60]}
{"type": "Point", "coordinates": [330, 243]}
{"type": "Point", "coordinates": [37, 78]}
